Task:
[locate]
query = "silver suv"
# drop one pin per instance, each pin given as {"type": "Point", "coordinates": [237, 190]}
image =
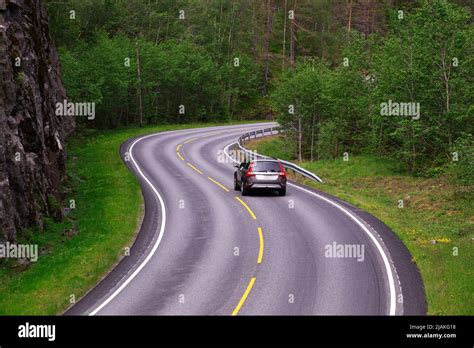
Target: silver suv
{"type": "Point", "coordinates": [260, 174]}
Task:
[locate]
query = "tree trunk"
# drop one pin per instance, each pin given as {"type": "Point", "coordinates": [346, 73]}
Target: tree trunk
{"type": "Point", "coordinates": [254, 34]}
{"type": "Point", "coordinates": [293, 37]}
{"type": "Point", "coordinates": [349, 15]}
{"type": "Point", "coordinates": [312, 138]}
{"type": "Point", "coordinates": [300, 140]}
{"type": "Point", "coordinates": [446, 66]}
{"type": "Point", "coordinates": [413, 151]}
{"type": "Point", "coordinates": [268, 34]}
{"type": "Point", "coordinates": [284, 36]}
{"type": "Point", "coordinates": [139, 87]}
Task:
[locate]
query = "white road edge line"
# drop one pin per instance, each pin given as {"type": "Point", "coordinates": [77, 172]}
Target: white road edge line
{"type": "Point", "coordinates": [388, 268]}
{"type": "Point", "coordinates": [160, 236]}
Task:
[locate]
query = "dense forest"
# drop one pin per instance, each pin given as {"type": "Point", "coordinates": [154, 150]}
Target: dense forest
{"type": "Point", "coordinates": [343, 77]}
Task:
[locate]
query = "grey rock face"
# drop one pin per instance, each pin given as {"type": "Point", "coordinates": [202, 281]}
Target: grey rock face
{"type": "Point", "coordinates": [32, 137]}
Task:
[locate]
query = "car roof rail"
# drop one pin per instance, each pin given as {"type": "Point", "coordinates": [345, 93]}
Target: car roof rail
{"type": "Point", "coordinates": [266, 159]}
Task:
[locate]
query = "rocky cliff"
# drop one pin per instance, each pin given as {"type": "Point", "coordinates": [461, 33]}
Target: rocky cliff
{"type": "Point", "coordinates": [32, 137]}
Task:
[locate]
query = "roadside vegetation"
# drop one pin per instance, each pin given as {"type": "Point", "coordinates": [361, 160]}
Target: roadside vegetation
{"type": "Point", "coordinates": [77, 253]}
{"type": "Point", "coordinates": [406, 96]}
{"type": "Point", "coordinates": [435, 222]}
{"type": "Point", "coordinates": [389, 127]}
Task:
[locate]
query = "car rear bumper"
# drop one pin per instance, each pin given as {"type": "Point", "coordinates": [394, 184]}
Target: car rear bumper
{"type": "Point", "coordinates": [272, 185]}
{"type": "Point", "coordinates": [267, 186]}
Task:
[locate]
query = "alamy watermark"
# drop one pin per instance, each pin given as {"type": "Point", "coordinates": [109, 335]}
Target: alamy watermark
{"type": "Point", "coordinates": [236, 155]}
{"type": "Point", "coordinates": [391, 108]}
{"type": "Point", "coordinates": [19, 251]}
{"type": "Point", "coordinates": [28, 330]}
{"type": "Point", "coordinates": [66, 108]}
{"type": "Point", "coordinates": [345, 251]}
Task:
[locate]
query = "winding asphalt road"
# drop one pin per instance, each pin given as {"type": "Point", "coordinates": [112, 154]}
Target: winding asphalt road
{"type": "Point", "coordinates": [203, 249]}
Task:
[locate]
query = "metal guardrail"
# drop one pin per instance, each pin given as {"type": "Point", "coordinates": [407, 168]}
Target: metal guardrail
{"type": "Point", "coordinates": [272, 131]}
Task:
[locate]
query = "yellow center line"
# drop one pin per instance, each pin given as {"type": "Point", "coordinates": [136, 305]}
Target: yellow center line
{"type": "Point", "coordinates": [244, 297]}
{"type": "Point", "coordinates": [188, 141]}
{"type": "Point", "coordinates": [219, 184]}
{"type": "Point", "coordinates": [246, 207]}
{"type": "Point", "coordinates": [197, 170]}
{"type": "Point", "coordinates": [260, 233]}
{"type": "Point", "coordinates": [260, 252]}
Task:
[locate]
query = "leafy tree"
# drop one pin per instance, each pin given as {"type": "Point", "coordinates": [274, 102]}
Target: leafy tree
{"type": "Point", "coordinates": [298, 99]}
{"type": "Point", "coordinates": [336, 62]}
{"type": "Point", "coordinates": [98, 74]}
{"type": "Point", "coordinates": [426, 60]}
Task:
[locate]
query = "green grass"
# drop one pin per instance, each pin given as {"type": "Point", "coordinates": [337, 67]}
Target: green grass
{"type": "Point", "coordinates": [272, 146]}
{"type": "Point", "coordinates": [437, 217]}
{"type": "Point", "coordinates": [107, 214]}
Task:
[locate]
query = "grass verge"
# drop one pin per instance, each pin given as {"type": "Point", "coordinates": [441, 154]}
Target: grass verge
{"type": "Point", "coordinates": [77, 253]}
{"type": "Point", "coordinates": [436, 221]}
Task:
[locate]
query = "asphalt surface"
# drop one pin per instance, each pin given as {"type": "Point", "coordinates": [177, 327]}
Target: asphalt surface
{"type": "Point", "coordinates": [200, 251]}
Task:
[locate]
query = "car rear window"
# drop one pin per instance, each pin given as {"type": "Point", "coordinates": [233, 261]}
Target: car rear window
{"type": "Point", "coordinates": [266, 167]}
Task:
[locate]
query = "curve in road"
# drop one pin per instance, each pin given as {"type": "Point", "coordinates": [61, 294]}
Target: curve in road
{"type": "Point", "coordinates": [204, 249]}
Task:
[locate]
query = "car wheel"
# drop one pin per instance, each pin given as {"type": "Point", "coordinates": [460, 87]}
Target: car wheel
{"type": "Point", "coordinates": [244, 191]}
{"type": "Point", "coordinates": [282, 192]}
{"type": "Point", "coordinates": [236, 184]}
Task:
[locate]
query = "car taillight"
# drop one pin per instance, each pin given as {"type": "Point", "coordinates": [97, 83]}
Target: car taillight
{"type": "Point", "coordinates": [249, 172]}
{"type": "Point", "coordinates": [282, 171]}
